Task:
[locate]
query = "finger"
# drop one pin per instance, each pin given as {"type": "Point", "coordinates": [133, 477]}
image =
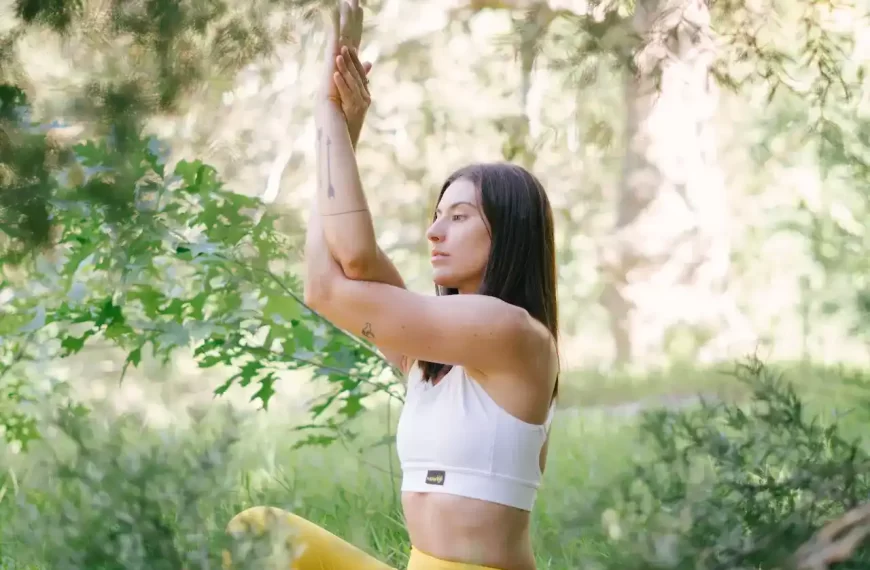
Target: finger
{"type": "Point", "coordinates": [331, 24]}
{"type": "Point", "coordinates": [341, 66]}
{"type": "Point", "coordinates": [330, 20]}
{"type": "Point", "coordinates": [348, 73]}
{"type": "Point", "coordinates": [335, 27]}
{"type": "Point", "coordinates": [353, 75]}
{"type": "Point", "coordinates": [367, 67]}
{"type": "Point", "coordinates": [351, 56]}
{"type": "Point", "coordinates": [349, 27]}
{"type": "Point", "coordinates": [354, 4]}
{"type": "Point", "coordinates": [345, 22]}
{"type": "Point", "coordinates": [344, 90]}
{"type": "Point", "coordinates": [358, 24]}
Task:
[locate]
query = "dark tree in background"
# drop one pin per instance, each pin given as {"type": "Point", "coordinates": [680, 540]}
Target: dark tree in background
{"type": "Point", "coordinates": [142, 58]}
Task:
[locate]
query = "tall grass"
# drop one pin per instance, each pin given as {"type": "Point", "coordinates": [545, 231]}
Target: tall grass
{"type": "Point", "coordinates": [103, 492]}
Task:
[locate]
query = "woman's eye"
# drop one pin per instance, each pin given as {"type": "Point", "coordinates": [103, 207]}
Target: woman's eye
{"type": "Point", "coordinates": [458, 217]}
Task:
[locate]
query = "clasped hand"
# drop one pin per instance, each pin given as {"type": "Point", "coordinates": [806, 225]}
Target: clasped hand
{"type": "Point", "coordinates": [345, 80]}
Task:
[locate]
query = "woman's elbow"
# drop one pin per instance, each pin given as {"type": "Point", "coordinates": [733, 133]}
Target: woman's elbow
{"type": "Point", "coordinates": [316, 294]}
{"type": "Point", "coordinates": [311, 297]}
{"type": "Point", "coordinates": [359, 266]}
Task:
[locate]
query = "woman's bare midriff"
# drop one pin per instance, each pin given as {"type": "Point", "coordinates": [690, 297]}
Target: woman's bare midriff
{"type": "Point", "coordinates": [470, 531]}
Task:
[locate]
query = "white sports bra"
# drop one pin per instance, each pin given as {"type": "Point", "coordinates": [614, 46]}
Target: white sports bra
{"type": "Point", "coordinates": [453, 438]}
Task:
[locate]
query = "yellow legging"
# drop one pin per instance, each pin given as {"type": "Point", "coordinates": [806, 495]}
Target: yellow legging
{"type": "Point", "coordinates": [298, 544]}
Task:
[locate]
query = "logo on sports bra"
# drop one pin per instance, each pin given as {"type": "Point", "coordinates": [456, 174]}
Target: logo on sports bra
{"type": "Point", "coordinates": [435, 477]}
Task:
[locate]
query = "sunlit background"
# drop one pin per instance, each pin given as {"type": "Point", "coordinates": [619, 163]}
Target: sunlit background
{"type": "Point", "coordinates": [708, 172]}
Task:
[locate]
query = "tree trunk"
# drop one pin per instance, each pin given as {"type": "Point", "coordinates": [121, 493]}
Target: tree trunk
{"type": "Point", "coordinates": [668, 260]}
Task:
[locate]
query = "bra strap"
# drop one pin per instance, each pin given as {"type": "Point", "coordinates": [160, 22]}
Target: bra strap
{"type": "Point", "coordinates": [550, 415]}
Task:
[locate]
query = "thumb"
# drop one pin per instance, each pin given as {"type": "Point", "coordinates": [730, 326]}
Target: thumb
{"type": "Point", "coordinates": [335, 16]}
{"type": "Point", "coordinates": [367, 66]}
{"type": "Point", "coordinates": [331, 22]}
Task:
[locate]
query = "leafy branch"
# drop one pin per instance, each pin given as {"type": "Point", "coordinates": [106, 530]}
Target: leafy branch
{"type": "Point", "coordinates": [191, 266]}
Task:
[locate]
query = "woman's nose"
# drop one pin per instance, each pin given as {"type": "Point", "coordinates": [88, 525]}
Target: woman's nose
{"type": "Point", "coordinates": [434, 233]}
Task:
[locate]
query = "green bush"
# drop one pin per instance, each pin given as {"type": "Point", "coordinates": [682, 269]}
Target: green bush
{"type": "Point", "coordinates": [721, 486]}
{"type": "Point", "coordinates": [189, 268]}
{"type": "Point", "coordinates": [112, 495]}
{"type": "Point", "coordinates": [732, 486]}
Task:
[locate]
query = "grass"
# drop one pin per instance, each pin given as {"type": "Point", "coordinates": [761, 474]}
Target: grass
{"type": "Point", "coordinates": [351, 489]}
{"type": "Point", "coordinates": [586, 388]}
{"type": "Point", "coordinates": [355, 496]}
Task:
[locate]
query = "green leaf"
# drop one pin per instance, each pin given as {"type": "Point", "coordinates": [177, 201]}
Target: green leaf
{"type": "Point", "coordinates": [135, 356]}
{"type": "Point", "coordinates": [266, 391]}
{"type": "Point", "coordinates": [91, 153]}
{"type": "Point", "coordinates": [316, 440]}
{"type": "Point", "coordinates": [72, 344]}
{"type": "Point", "coordinates": [248, 372]}
{"type": "Point", "coordinates": [286, 308]}
{"type": "Point", "coordinates": [188, 171]}
{"type": "Point", "coordinates": [352, 405]}
{"type": "Point", "coordinates": [389, 439]}
{"type": "Point", "coordinates": [110, 313]}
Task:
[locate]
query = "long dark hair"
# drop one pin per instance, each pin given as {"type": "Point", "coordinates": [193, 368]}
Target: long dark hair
{"type": "Point", "coordinates": [521, 269]}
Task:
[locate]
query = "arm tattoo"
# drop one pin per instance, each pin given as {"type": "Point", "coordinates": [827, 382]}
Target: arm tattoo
{"type": "Point", "coordinates": [319, 160]}
{"type": "Point", "coordinates": [330, 192]}
{"type": "Point", "coordinates": [347, 212]}
{"type": "Point", "coordinates": [367, 331]}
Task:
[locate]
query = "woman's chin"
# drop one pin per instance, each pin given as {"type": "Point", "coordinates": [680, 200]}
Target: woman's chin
{"type": "Point", "coordinates": [452, 281]}
{"type": "Point", "coordinates": [446, 283]}
{"type": "Point", "coordinates": [444, 279]}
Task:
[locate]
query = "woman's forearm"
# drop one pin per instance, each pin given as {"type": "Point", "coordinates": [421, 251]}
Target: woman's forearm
{"type": "Point", "coordinates": [340, 229]}
{"type": "Point", "coordinates": [347, 222]}
{"type": "Point", "coordinates": [321, 269]}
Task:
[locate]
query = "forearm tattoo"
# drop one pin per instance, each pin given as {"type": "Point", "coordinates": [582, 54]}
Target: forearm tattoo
{"type": "Point", "coordinates": [367, 331]}
{"type": "Point", "coordinates": [330, 192]}
{"type": "Point", "coordinates": [330, 189]}
{"type": "Point", "coordinates": [357, 211]}
{"type": "Point", "coordinates": [319, 159]}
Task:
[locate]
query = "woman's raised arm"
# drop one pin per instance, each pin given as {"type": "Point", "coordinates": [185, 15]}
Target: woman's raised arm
{"type": "Point", "coordinates": [344, 215]}
{"type": "Point", "coordinates": [343, 102]}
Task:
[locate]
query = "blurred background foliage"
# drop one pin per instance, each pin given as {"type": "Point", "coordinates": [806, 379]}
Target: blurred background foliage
{"type": "Point", "coordinates": [707, 162]}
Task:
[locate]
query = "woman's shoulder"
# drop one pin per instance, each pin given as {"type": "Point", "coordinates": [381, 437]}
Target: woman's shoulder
{"type": "Point", "coordinates": [541, 351]}
{"type": "Point", "coordinates": [538, 337]}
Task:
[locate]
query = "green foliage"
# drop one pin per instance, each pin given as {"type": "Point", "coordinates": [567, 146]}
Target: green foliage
{"type": "Point", "coordinates": [158, 53]}
{"type": "Point", "coordinates": [186, 266]}
{"type": "Point", "coordinates": [112, 495]}
{"type": "Point", "coordinates": [836, 225]}
{"type": "Point", "coordinates": [107, 492]}
{"type": "Point", "coordinates": [731, 486]}
{"type": "Point", "coordinates": [799, 47]}
{"type": "Point", "coordinates": [726, 486]}
{"type": "Point", "coordinates": [816, 109]}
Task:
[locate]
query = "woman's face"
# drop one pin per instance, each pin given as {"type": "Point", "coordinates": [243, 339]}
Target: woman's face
{"type": "Point", "coordinates": [459, 239]}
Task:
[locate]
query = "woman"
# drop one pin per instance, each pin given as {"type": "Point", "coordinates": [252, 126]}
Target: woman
{"type": "Point", "coordinates": [480, 357]}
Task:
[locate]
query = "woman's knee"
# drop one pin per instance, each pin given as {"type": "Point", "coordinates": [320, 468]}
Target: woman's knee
{"type": "Point", "coordinates": [276, 538]}
{"type": "Point", "coordinates": [258, 520]}
{"type": "Point", "coordinates": [264, 537]}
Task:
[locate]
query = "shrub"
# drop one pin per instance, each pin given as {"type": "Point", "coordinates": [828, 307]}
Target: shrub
{"type": "Point", "coordinates": [111, 495]}
{"type": "Point", "coordinates": [736, 485]}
